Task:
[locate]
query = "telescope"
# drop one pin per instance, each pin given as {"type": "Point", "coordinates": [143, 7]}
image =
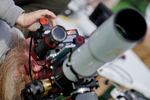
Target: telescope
{"type": "Point", "coordinates": [117, 34]}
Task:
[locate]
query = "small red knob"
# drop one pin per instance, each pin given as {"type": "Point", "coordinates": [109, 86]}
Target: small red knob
{"type": "Point", "coordinates": [43, 21]}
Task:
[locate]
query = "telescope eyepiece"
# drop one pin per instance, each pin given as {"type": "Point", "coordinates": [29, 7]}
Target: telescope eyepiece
{"type": "Point", "coordinates": [58, 33]}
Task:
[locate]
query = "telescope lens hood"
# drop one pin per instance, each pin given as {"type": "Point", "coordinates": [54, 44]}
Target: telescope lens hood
{"type": "Point", "coordinates": [131, 24]}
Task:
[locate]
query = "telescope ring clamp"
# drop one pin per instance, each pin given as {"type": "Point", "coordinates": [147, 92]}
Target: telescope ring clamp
{"type": "Point", "coordinates": [83, 93]}
{"type": "Point", "coordinates": [80, 91]}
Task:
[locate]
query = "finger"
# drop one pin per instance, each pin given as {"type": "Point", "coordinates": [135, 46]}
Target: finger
{"type": "Point", "coordinates": [47, 13]}
{"type": "Point", "coordinates": [53, 22]}
{"type": "Point", "coordinates": [36, 15]}
{"type": "Point", "coordinates": [51, 14]}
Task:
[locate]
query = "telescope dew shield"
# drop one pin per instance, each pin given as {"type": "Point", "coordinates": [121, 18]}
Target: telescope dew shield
{"type": "Point", "coordinates": [117, 34]}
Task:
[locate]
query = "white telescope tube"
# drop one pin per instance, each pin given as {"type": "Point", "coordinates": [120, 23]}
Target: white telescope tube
{"type": "Point", "coordinates": [117, 34]}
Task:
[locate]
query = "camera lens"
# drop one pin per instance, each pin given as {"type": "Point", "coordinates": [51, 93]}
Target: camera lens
{"type": "Point", "coordinates": [59, 33]}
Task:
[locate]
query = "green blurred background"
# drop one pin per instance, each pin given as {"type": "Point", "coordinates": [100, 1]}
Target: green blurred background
{"type": "Point", "coordinates": [137, 4]}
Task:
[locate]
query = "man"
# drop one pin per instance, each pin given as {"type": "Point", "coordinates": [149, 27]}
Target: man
{"type": "Point", "coordinates": [13, 15]}
{"type": "Point", "coordinates": [13, 73]}
{"type": "Point", "coordinates": [13, 79]}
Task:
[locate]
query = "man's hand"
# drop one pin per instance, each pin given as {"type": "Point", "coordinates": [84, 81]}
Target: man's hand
{"type": "Point", "coordinates": [26, 20]}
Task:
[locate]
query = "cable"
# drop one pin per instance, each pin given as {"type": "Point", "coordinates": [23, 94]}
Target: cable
{"type": "Point", "coordinates": [30, 68]}
{"type": "Point", "coordinates": [54, 79]}
{"type": "Point", "coordinates": [70, 66]}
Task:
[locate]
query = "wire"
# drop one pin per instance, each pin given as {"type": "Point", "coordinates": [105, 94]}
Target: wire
{"type": "Point", "coordinates": [69, 65]}
{"type": "Point", "coordinates": [30, 68]}
{"type": "Point", "coordinates": [54, 79]}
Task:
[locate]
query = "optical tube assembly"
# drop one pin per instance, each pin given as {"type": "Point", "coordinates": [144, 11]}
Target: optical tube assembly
{"type": "Point", "coordinates": [117, 34]}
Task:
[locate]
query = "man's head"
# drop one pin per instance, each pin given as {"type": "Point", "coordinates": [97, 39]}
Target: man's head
{"type": "Point", "coordinates": [12, 75]}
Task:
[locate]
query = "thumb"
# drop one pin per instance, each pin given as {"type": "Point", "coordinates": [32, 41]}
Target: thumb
{"type": "Point", "coordinates": [34, 26]}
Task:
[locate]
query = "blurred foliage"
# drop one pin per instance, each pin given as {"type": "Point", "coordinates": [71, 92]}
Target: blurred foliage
{"type": "Point", "coordinates": [61, 98]}
{"type": "Point", "coordinates": [140, 5]}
